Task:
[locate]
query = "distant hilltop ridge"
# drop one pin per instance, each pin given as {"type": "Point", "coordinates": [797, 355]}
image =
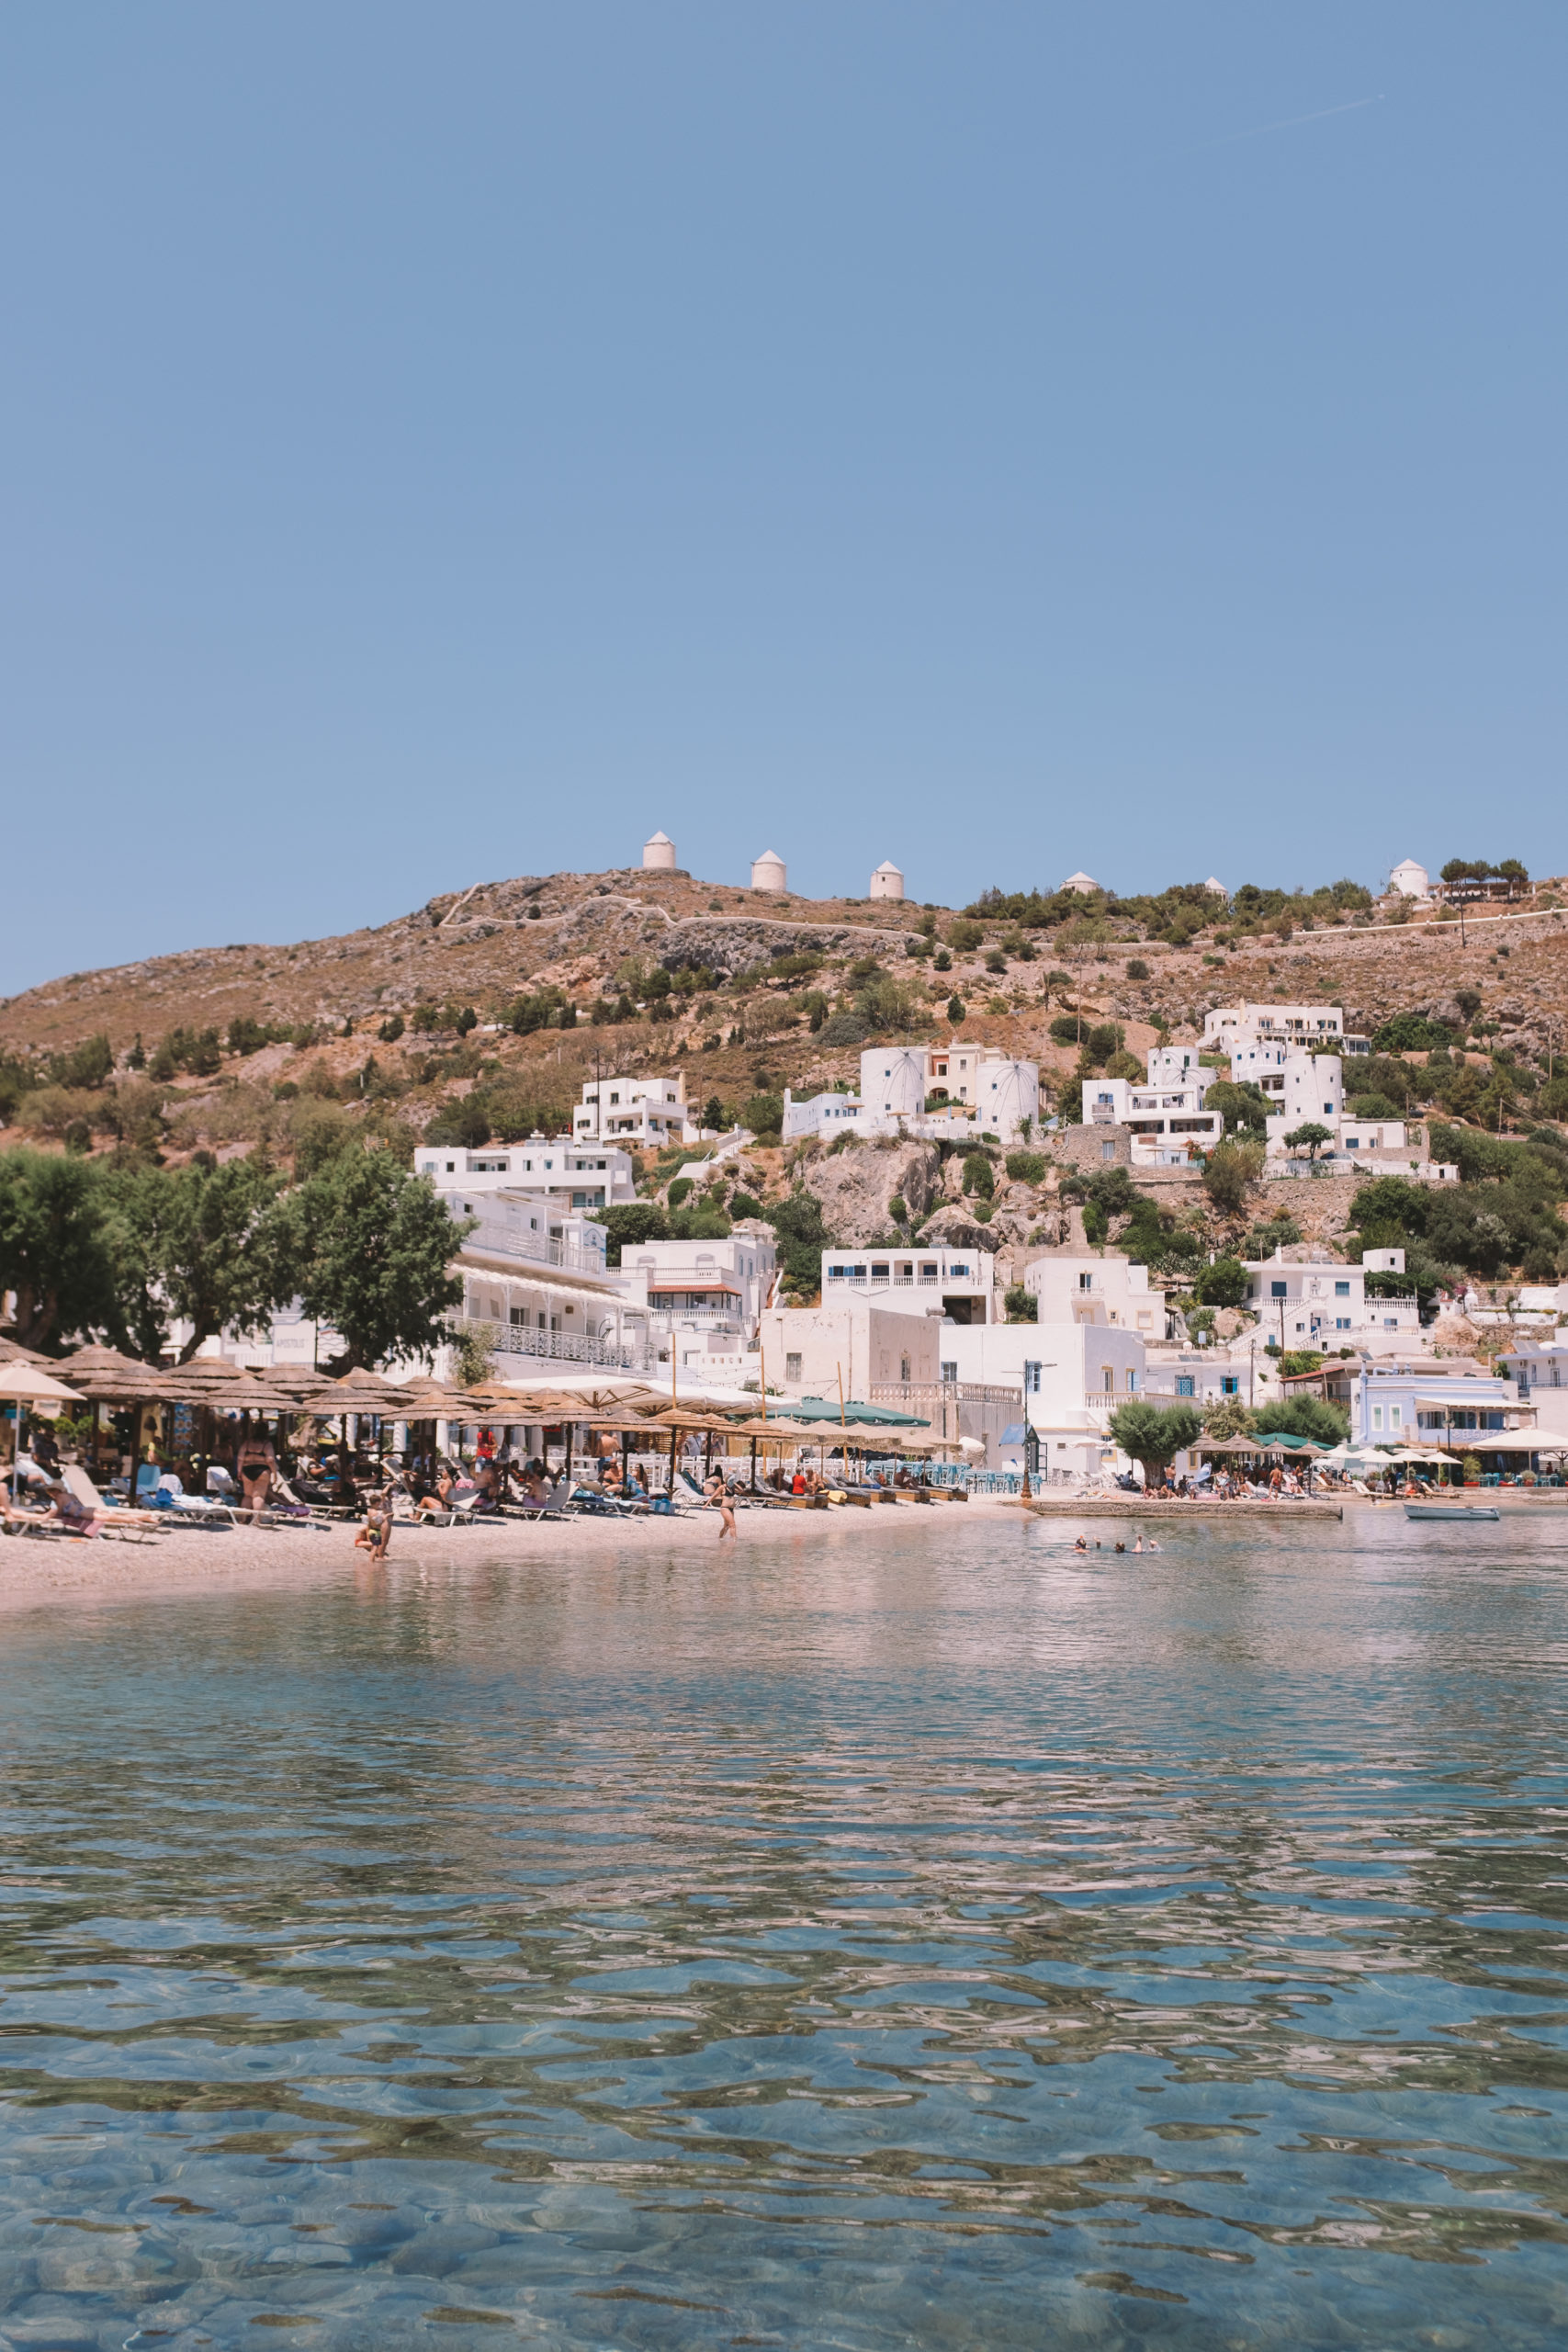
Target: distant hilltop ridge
{"type": "Point", "coordinates": [528, 984]}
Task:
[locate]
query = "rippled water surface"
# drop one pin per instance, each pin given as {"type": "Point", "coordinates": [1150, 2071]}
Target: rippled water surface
{"type": "Point", "coordinates": [936, 1940]}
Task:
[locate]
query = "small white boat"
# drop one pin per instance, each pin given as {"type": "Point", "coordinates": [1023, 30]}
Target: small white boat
{"type": "Point", "coordinates": [1451, 1510]}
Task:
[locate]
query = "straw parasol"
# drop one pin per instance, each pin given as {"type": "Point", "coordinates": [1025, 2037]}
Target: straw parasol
{"type": "Point", "coordinates": [103, 1376]}
{"type": "Point", "coordinates": [27, 1384]}
{"type": "Point", "coordinates": [357, 1392]}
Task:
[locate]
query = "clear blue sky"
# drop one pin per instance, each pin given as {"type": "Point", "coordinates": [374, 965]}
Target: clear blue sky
{"type": "Point", "coordinates": [442, 442]}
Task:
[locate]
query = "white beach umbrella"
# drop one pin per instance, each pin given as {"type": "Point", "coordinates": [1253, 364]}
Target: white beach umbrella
{"type": "Point", "coordinates": [26, 1384]}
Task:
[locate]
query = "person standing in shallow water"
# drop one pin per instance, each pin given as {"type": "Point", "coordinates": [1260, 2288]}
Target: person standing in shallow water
{"type": "Point", "coordinates": [721, 1500]}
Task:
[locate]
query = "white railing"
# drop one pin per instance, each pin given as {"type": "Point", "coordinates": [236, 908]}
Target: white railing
{"type": "Point", "coordinates": [562, 1347]}
{"type": "Point", "coordinates": [497, 1240]}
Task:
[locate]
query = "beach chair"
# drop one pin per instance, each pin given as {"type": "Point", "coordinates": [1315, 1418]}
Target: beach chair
{"type": "Point", "coordinates": [115, 1520]}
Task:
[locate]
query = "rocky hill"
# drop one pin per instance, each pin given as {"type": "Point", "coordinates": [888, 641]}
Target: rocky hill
{"type": "Point", "coordinates": [484, 1010]}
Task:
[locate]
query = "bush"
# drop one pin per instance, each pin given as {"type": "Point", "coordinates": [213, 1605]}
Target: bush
{"type": "Point", "coordinates": [629, 1224]}
{"type": "Point", "coordinates": [763, 1114]}
{"type": "Point", "coordinates": [465, 1125]}
{"type": "Point", "coordinates": [978, 1178]}
{"type": "Point", "coordinates": [744, 1204]}
{"type": "Point", "coordinates": [942, 961]}
{"type": "Point", "coordinates": [1137, 970]}
{"type": "Point", "coordinates": [1027, 1166]}
{"type": "Point", "coordinates": [1066, 1029]}
{"type": "Point", "coordinates": [1230, 1171]}
{"type": "Point", "coordinates": [1409, 1033]}
{"type": "Point", "coordinates": [1374, 1106]}
{"type": "Point", "coordinates": [1096, 1225]}
{"type": "Point", "coordinates": [957, 1012]}
{"type": "Point", "coordinates": [846, 1029]}
{"type": "Point", "coordinates": [964, 936]}
{"type": "Point", "coordinates": [996, 961]}
{"type": "Point", "coordinates": [1019, 1304]}
{"type": "Point", "coordinates": [802, 1237]}
{"type": "Point", "coordinates": [391, 1029]}
{"type": "Point", "coordinates": [678, 1191]}
{"type": "Point", "coordinates": [1243, 1108]}
{"type": "Point", "coordinates": [1222, 1285]}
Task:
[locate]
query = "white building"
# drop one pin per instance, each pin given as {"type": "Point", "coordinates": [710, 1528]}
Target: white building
{"type": "Point", "coordinates": [1084, 883]}
{"type": "Point", "coordinates": [886, 882]}
{"type": "Point", "coordinates": [768, 871]}
{"type": "Point", "coordinates": [957, 1286]}
{"type": "Point", "coordinates": [1308, 1089]}
{"type": "Point", "coordinates": [556, 1169]}
{"type": "Point", "coordinates": [637, 1111]}
{"type": "Point", "coordinates": [1411, 881]}
{"type": "Point", "coordinates": [972, 1090]}
{"type": "Point", "coordinates": [808, 1351]}
{"type": "Point", "coordinates": [658, 854]}
{"type": "Point", "coordinates": [1326, 1305]}
{"type": "Point", "coordinates": [1417, 1400]}
{"type": "Point", "coordinates": [1167, 1124]}
{"type": "Point", "coordinates": [538, 1284]}
{"type": "Point", "coordinates": [1063, 1380]}
{"type": "Point", "coordinates": [1228, 1026]}
{"type": "Point", "coordinates": [702, 1298]}
{"type": "Point", "coordinates": [1109, 1291]}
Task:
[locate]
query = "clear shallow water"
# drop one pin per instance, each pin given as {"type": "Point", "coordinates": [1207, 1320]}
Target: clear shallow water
{"type": "Point", "coordinates": [937, 1941]}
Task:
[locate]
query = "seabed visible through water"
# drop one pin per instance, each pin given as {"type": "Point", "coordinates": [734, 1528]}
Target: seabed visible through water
{"type": "Point", "coordinates": [942, 1940]}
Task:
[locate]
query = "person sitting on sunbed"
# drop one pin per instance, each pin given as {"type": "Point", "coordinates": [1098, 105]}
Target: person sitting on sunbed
{"type": "Point", "coordinates": [68, 1513]}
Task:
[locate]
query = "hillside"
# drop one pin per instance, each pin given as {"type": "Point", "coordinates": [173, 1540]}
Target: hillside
{"type": "Point", "coordinates": [485, 1010]}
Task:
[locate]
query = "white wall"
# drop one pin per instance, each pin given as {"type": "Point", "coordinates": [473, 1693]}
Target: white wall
{"type": "Point", "coordinates": [1092, 1289]}
{"type": "Point", "coordinates": [863, 1343]}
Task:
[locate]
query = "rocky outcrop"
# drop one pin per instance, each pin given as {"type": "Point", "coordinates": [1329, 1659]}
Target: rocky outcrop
{"type": "Point", "coordinates": [956, 1228]}
{"type": "Point", "coordinates": [856, 1186]}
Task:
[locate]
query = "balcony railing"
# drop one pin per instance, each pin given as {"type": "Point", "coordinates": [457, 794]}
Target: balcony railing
{"type": "Point", "coordinates": [562, 1347]}
{"type": "Point", "coordinates": [497, 1240]}
{"type": "Point", "coordinates": [918, 1395]}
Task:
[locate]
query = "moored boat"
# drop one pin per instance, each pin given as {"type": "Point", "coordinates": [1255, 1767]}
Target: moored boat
{"type": "Point", "coordinates": [1451, 1510]}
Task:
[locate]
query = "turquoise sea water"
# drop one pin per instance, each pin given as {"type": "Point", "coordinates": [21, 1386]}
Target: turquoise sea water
{"type": "Point", "coordinates": [936, 1940]}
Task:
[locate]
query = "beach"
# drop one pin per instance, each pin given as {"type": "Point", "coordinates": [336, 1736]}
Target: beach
{"type": "Point", "coordinates": [121, 1565]}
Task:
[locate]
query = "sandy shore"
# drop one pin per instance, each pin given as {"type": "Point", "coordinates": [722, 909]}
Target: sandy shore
{"type": "Point", "coordinates": [37, 1572]}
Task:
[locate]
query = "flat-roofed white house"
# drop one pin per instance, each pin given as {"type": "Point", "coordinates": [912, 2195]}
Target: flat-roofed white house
{"type": "Point", "coordinates": [1227, 1025]}
{"type": "Point", "coordinates": [1100, 1288]}
{"type": "Point", "coordinates": [1167, 1124]}
{"type": "Point", "coordinates": [703, 1298]}
{"type": "Point", "coordinates": [942, 1281]}
{"type": "Point", "coordinates": [1320, 1304]}
{"type": "Point", "coordinates": [635, 1111]}
{"type": "Point", "coordinates": [568, 1175]}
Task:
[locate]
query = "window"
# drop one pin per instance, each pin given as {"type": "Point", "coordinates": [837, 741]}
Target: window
{"type": "Point", "coordinates": [960, 1274]}
{"type": "Point", "coordinates": [1390, 1322]}
{"type": "Point", "coordinates": [1352, 1143]}
{"type": "Point", "coordinates": [904, 1370]}
{"type": "Point", "coordinates": [1229, 1385]}
{"type": "Point", "coordinates": [879, 1273]}
{"type": "Point", "coordinates": [1342, 1322]}
{"type": "Point", "coordinates": [1086, 1281]}
{"type": "Point", "coordinates": [1184, 1384]}
{"type": "Point", "coordinates": [1341, 1290]}
{"type": "Point", "coordinates": [837, 1274]}
{"type": "Point", "coordinates": [1032, 1373]}
{"type": "Point", "coordinates": [1278, 1290]}
{"type": "Point", "coordinates": [518, 1315]}
{"type": "Point", "coordinates": [1395, 1415]}
{"type": "Point", "coordinates": [1108, 1378]}
{"type": "Point", "coordinates": [1377, 1416]}
{"type": "Point", "coordinates": [950, 1374]}
{"type": "Point", "coordinates": [792, 1367]}
{"type": "Point", "coordinates": [928, 1273]}
{"type": "Point", "coordinates": [1108, 1151]}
